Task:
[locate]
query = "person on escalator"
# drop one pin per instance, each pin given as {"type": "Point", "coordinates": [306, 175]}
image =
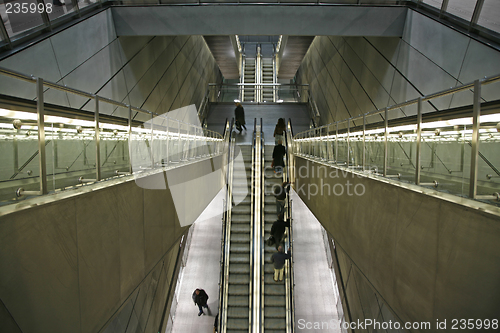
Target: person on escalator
{"type": "Point", "coordinates": [200, 298]}
{"type": "Point", "coordinates": [278, 131]}
{"type": "Point", "coordinates": [280, 195]}
{"type": "Point", "coordinates": [279, 152]}
{"type": "Point", "coordinates": [239, 115]}
{"type": "Point", "coordinates": [278, 229]}
{"type": "Point", "coordinates": [278, 260]}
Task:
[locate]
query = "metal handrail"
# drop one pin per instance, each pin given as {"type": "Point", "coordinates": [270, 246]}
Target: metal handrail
{"type": "Point", "coordinates": [226, 235]}
{"type": "Point", "coordinates": [290, 283]}
{"type": "Point", "coordinates": [262, 222]}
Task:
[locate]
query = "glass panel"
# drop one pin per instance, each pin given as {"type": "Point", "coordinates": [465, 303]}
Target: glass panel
{"type": "Point", "coordinates": [445, 156]}
{"type": "Point", "coordinates": [401, 148]}
{"type": "Point", "coordinates": [71, 154]}
{"type": "Point", "coordinates": [434, 3]}
{"type": "Point", "coordinates": [19, 151]}
{"type": "Point", "coordinates": [21, 16]}
{"type": "Point", "coordinates": [461, 8]}
{"type": "Point", "coordinates": [490, 15]}
{"type": "Point", "coordinates": [59, 8]}
{"type": "Point", "coordinates": [374, 143]}
{"type": "Point", "coordinates": [114, 150]}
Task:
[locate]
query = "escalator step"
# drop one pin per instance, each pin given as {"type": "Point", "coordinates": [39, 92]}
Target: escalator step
{"type": "Point", "coordinates": [242, 210]}
{"type": "Point", "coordinates": [238, 312]}
{"type": "Point", "coordinates": [239, 279]}
{"type": "Point", "coordinates": [240, 218]}
{"type": "Point", "coordinates": [240, 228]}
{"type": "Point", "coordinates": [268, 267]}
{"type": "Point", "coordinates": [239, 258]}
{"type": "Point", "coordinates": [274, 312]}
{"type": "Point", "coordinates": [240, 248]}
{"type": "Point", "coordinates": [237, 324]}
{"type": "Point", "coordinates": [273, 288]}
{"type": "Point", "coordinates": [239, 269]}
{"type": "Point", "coordinates": [274, 301]}
{"type": "Point", "coordinates": [235, 301]}
{"type": "Point", "coordinates": [239, 290]}
{"type": "Point", "coordinates": [240, 238]}
{"type": "Point", "coordinates": [275, 324]}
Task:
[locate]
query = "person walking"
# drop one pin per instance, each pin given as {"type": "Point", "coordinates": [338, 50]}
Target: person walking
{"type": "Point", "coordinates": [239, 115]}
{"type": "Point", "coordinates": [278, 260]}
{"type": "Point", "coordinates": [279, 131]}
{"type": "Point", "coordinates": [278, 229]}
{"type": "Point", "coordinates": [280, 195]}
{"type": "Point", "coordinates": [200, 298]}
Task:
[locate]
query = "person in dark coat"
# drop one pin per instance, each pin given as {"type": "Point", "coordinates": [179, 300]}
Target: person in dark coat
{"type": "Point", "coordinates": [279, 152]}
{"type": "Point", "coordinates": [278, 260]}
{"type": "Point", "coordinates": [239, 115]}
{"type": "Point", "coordinates": [280, 195]}
{"type": "Point", "coordinates": [200, 298]}
{"type": "Point", "coordinates": [278, 229]}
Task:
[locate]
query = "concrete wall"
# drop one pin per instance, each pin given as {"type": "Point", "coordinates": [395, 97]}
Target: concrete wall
{"type": "Point", "coordinates": [70, 264]}
{"type": "Point", "coordinates": [353, 75]}
{"type": "Point", "coordinates": [424, 255]}
{"type": "Point", "coordinates": [157, 73]}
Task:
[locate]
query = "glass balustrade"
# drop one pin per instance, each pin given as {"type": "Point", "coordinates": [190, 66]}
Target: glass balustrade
{"type": "Point", "coordinates": [422, 142]}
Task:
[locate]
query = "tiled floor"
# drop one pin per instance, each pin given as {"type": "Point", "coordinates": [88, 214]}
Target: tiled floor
{"type": "Point", "coordinates": [314, 296]}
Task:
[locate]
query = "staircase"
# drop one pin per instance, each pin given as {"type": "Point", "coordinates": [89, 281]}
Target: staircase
{"type": "Point", "coordinates": [249, 76]}
{"type": "Point", "coordinates": [238, 301]}
{"type": "Point", "coordinates": [274, 298]}
{"type": "Point", "coordinates": [268, 77]}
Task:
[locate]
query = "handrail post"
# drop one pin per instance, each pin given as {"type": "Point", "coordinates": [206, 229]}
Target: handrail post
{"type": "Point", "coordinates": [337, 142]}
{"type": "Point", "coordinates": [386, 130]}
{"type": "Point", "coordinates": [97, 140]}
{"type": "Point", "coordinates": [348, 141]}
{"type": "Point", "coordinates": [475, 139]}
{"type": "Point", "coordinates": [130, 135]}
{"type": "Point", "coordinates": [364, 144]}
{"type": "Point", "coordinates": [419, 142]}
{"type": "Point", "coordinates": [40, 108]}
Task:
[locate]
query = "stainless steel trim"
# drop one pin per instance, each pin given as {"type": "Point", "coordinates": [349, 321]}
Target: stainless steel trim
{"type": "Point", "coordinates": [41, 136]}
{"type": "Point", "coordinates": [97, 140]}
{"type": "Point", "coordinates": [418, 160]}
{"type": "Point", "coordinates": [386, 134]}
{"type": "Point", "coordinates": [476, 113]}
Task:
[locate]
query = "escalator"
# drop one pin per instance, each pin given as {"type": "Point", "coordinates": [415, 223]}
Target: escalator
{"type": "Point", "coordinates": [249, 77]}
{"type": "Point", "coordinates": [268, 77]}
{"type": "Point", "coordinates": [274, 292]}
{"type": "Point", "coordinates": [238, 298]}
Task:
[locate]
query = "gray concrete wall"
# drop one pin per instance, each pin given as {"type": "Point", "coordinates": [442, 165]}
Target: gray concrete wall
{"type": "Point", "coordinates": [157, 73]}
{"type": "Point", "coordinates": [260, 20]}
{"type": "Point", "coordinates": [353, 75]}
{"type": "Point", "coordinates": [72, 264]}
{"type": "Point", "coordinates": [426, 256]}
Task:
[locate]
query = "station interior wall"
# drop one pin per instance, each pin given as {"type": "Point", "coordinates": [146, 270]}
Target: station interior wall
{"type": "Point", "coordinates": [350, 76]}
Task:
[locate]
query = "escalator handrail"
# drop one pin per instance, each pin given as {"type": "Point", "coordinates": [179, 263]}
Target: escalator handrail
{"type": "Point", "coordinates": [289, 288]}
{"type": "Point", "coordinates": [226, 227]}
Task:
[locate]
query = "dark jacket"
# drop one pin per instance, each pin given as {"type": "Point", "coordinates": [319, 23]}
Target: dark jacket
{"type": "Point", "coordinates": [201, 298]}
{"type": "Point", "coordinates": [239, 114]}
{"type": "Point", "coordinates": [278, 153]}
{"type": "Point", "coordinates": [278, 229]}
{"type": "Point", "coordinates": [281, 191]}
{"type": "Point", "coordinates": [278, 259]}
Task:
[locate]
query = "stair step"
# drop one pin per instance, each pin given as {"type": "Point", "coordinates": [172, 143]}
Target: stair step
{"type": "Point", "coordinates": [238, 312]}
{"type": "Point", "coordinates": [239, 279]}
{"type": "Point", "coordinates": [275, 324]}
{"type": "Point", "coordinates": [275, 312]}
{"type": "Point", "coordinates": [239, 290]}
{"type": "Point", "coordinates": [237, 324]}
{"type": "Point", "coordinates": [238, 301]}
{"type": "Point", "coordinates": [239, 258]}
{"type": "Point", "coordinates": [239, 269]}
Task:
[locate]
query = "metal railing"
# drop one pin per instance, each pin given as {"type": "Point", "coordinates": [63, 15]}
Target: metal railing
{"type": "Point", "coordinates": [54, 148]}
{"type": "Point", "coordinates": [285, 93]}
{"type": "Point", "coordinates": [226, 230]}
{"type": "Point", "coordinates": [290, 281]}
{"type": "Point", "coordinates": [427, 149]}
{"type": "Point", "coordinates": [257, 224]}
